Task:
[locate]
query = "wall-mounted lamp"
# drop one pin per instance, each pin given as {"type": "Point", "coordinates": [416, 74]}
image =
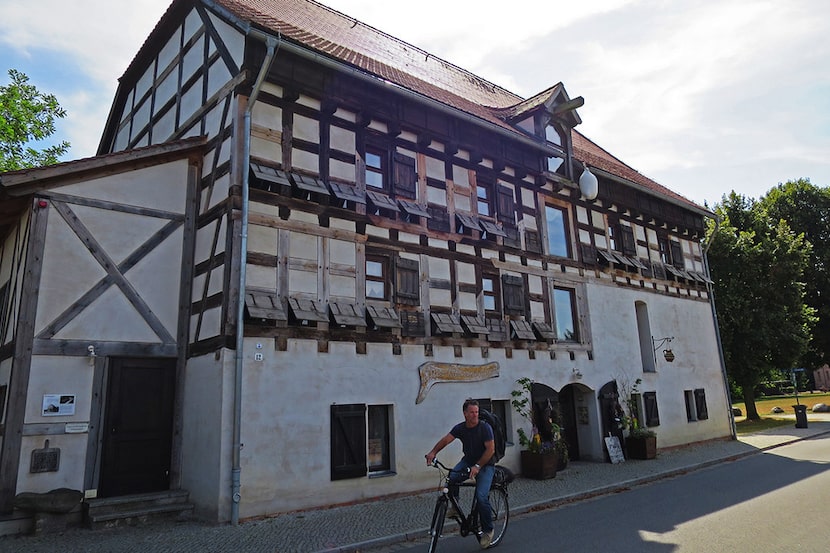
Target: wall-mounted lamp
{"type": "Point", "coordinates": [90, 352]}
{"type": "Point", "coordinates": [588, 183]}
{"type": "Point", "coordinates": [657, 343]}
{"type": "Point", "coordinates": [577, 374]}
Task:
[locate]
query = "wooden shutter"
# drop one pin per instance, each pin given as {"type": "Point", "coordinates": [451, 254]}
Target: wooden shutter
{"type": "Point", "coordinates": [505, 205]}
{"type": "Point", "coordinates": [629, 245]}
{"type": "Point", "coordinates": [652, 413]}
{"type": "Point", "coordinates": [440, 219]}
{"type": "Point", "coordinates": [514, 294]}
{"type": "Point", "coordinates": [404, 178]}
{"type": "Point", "coordinates": [532, 242]}
{"type": "Point", "coordinates": [589, 254]}
{"type": "Point", "coordinates": [348, 441]}
{"type": "Point", "coordinates": [700, 404]}
{"type": "Point", "coordinates": [408, 282]}
{"type": "Point", "coordinates": [676, 255]}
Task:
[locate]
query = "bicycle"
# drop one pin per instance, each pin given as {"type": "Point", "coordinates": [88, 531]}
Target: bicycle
{"type": "Point", "coordinates": [469, 524]}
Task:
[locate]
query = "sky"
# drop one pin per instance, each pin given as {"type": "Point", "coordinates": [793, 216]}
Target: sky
{"type": "Point", "coordinates": [703, 96]}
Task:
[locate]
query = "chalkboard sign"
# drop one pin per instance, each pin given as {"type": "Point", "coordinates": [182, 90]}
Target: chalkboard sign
{"type": "Point", "coordinates": [614, 450]}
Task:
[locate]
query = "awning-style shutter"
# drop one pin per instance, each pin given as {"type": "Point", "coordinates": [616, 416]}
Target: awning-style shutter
{"type": "Point", "coordinates": [413, 208]}
{"type": "Point", "coordinates": [440, 219]}
{"type": "Point", "coordinates": [308, 310]}
{"type": "Point", "coordinates": [382, 201]}
{"type": "Point", "coordinates": [491, 228]}
{"type": "Point", "coordinates": [589, 254]}
{"type": "Point", "coordinates": [544, 330]}
{"type": "Point", "coordinates": [466, 223]}
{"type": "Point", "coordinates": [347, 314]}
{"type": "Point", "coordinates": [347, 192]}
{"type": "Point", "coordinates": [309, 184]}
{"type": "Point", "coordinates": [383, 316]}
{"type": "Point", "coordinates": [498, 329]}
{"type": "Point", "coordinates": [446, 323]}
{"type": "Point", "coordinates": [271, 179]}
{"type": "Point", "coordinates": [348, 441]}
{"type": "Point", "coordinates": [412, 323]}
{"type": "Point", "coordinates": [475, 325]}
{"type": "Point", "coordinates": [265, 305]}
{"type": "Point", "coordinates": [522, 330]}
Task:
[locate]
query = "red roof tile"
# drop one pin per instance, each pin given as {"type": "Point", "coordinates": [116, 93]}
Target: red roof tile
{"type": "Point", "coordinates": [350, 41]}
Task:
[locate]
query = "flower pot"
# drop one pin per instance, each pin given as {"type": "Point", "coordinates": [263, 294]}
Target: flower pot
{"type": "Point", "coordinates": [641, 447]}
{"type": "Point", "coordinates": [539, 466]}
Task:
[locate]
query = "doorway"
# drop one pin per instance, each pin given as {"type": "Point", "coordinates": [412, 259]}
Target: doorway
{"type": "Point", "coordinates": [138, 427]}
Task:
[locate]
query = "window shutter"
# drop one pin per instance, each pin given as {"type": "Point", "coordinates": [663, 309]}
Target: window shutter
{"type": "Point", "coordinates": [532, 242]}
{"type": "Point", "coordinates": [589, 255]}
{"type": "Point", "coordinates": [348, 441]}
{"type": "Point", "coordinates": [629, 245]}
{"type": "Point", "coordinates": [440, 219]}
{"type": "Point", "coordinates": [506, 207]}
{"type": "Point", "coordinates": [408, 282]}
{"type": "Point", "coordinates": [700, 403]}
{"type": "Point", "coordinates": [676, 255]}
{"type": "Point", "coordinates": [514, 295]}
{"type": "Point", "coordinates": [404, 177]}
{"type": "Point", "coordinates": [652, 413]}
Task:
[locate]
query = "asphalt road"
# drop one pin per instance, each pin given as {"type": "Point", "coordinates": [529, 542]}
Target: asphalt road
{"type": "Point", "coordinates": [769, 503]}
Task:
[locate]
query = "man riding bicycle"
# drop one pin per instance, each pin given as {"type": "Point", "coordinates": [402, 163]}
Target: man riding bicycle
{"type": "Point", "coordinates": [479, 446]}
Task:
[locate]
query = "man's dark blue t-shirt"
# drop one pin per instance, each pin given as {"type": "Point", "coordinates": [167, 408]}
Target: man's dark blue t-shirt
{"type": "Point", "coordinates": [472, 440]}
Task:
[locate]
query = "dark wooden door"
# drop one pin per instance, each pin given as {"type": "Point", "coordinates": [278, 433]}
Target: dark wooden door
{"type": "Point", "coordinates": [138, 427]}
{"type": "Point", "coordinates": [567, 406]}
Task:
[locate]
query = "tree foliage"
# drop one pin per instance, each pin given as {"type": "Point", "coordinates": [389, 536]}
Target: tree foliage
{"type": "Point", "coordinates": [26, 116]}
{"type": "Point", "coordinates": [758, 265]}
{"type": "Point", "coordinates": [806, 208]}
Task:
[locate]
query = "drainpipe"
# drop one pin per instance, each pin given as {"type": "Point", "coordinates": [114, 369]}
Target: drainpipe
{"type": "Point", "coordinates": [272, 44]}
{"type": "Point", "coordinates": [711, 289]}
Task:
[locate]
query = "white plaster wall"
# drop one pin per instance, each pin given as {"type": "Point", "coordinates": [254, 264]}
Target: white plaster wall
{"type": "Point", "coordinates": [696, 365]}
{"type": "Point", "coordinates": [287, 403]}
{"type": "Point", "coordinates": [207, 427]}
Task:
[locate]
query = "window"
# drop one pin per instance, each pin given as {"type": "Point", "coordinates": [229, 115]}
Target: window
{"type": "Point", "coordinates": [556, 219]}
{"type": "Point", "coordinates": [700, 404]}
{"type": "Point", "coordinates": [650, 407]}
{"type": "Point", "coordinates": [379, 438]}
{"type": "Point", "coordinates": [376, 168]}
{"type": "Point", "coordinates": [500, 408]}
{"type": "Point", "coordinates": [361, 440]}
{"type": "Point", "coordinates": [552, 135]}
{"type": "Point", "coordinates": [565, 314]}
{"type": "Point", "coordinates": [377, 277]}
{"type": "Point", "coordinates": [663, 245]}
{"type": "Point", "coordinates": [554, 163]}
{"type": "Point", "coordinates": [490, 293]}
{"type": "Point", "coordinates": [644, 335]}
{"type": "Point", "coordinates": [484, 200]}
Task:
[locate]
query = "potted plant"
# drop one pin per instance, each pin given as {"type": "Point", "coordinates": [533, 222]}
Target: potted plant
{"type": "Point", "coordinates": [640, 443]}
{"type": "Point", "coordinates": [539, 460]}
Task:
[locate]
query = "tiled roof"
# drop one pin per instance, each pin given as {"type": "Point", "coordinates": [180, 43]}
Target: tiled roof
{"type": "Point", "coordinates": [352, 42]}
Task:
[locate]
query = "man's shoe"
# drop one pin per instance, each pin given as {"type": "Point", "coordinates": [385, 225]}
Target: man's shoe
{"type": "Point", "coordinates": [486, 539]}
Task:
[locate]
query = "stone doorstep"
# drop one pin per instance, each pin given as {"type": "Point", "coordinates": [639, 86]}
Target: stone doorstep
{"type": "Point", "coordinates": [138, 508]}
{"type": "Point", "coordinates": [18, 522]}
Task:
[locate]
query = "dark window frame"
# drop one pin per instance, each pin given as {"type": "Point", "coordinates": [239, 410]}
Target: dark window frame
{"type": "Point", "coordinates": [574, 318]}
{"type": "Point", "coordinates": [384, 278]}
{"type": "Point", "coordinates": [651, 409]}
{"type": "Point", "coordinates": [565, 230]}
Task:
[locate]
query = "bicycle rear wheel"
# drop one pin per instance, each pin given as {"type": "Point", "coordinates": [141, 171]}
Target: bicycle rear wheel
{"type": "Point", "coordinates": [437, 523]}
{"type": "Point", "coordinates": [501, 513]}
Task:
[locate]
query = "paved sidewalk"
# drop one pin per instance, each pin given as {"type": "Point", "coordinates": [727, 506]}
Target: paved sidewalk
{"type": "Point", "coordinates": [373, 524]}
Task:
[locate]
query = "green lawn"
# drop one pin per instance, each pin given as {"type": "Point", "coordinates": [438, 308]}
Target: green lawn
{"type": "Point", "coordinates": [772, 420]}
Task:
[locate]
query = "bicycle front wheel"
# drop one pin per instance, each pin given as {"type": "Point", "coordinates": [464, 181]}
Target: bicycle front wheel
{"type": "Point", "coordinates": [501, 513]}
{"type": "Point", "coordinates": [437, 524]}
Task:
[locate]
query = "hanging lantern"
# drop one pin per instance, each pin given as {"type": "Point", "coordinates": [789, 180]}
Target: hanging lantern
{"type": "Point", "coordinates": [669, 355]}
{"type": "Point", "coordinates": [588, 184]}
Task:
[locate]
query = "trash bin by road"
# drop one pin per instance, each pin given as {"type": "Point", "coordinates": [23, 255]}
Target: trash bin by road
{"type": "Point", "coordinates": [800, 416]}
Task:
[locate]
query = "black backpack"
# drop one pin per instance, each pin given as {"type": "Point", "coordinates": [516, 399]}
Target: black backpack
{"type": "Point", "coordinates": [498, 432]}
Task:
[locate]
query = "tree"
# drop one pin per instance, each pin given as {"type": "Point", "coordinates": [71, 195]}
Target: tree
{"type": "Point", "coordinates": [757, 266]}
{"type": "Point", "coordinates": [806, 208]}
{"type": "Point", "coordinates": [27, 115]}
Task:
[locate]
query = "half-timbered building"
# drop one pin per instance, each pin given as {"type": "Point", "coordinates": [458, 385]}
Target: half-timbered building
{"type": "Point", "coordinates": [303, 243]}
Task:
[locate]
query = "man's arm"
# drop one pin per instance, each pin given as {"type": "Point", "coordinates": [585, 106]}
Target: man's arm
{"type": "Point", "coordinates": [489, 450]}
{"type": "Point", "coordinates": [442, 443]}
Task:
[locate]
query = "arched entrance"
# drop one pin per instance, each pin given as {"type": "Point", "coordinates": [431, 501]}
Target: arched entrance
{"type": "Point", "coordinates": [567, 408]}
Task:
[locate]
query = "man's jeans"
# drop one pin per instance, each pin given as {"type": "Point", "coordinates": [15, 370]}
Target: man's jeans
{"type": "Point", "coordinates": [483, 481]}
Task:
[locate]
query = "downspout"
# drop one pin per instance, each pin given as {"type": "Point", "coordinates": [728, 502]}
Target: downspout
{"type": "Point", "coordinates": [272, 44]}
{"type": "Point", "coordinates": [711, 290]}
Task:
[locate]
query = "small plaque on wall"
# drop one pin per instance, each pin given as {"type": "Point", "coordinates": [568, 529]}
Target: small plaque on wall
{"type": "Point", "coordinates": [55, 405]}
